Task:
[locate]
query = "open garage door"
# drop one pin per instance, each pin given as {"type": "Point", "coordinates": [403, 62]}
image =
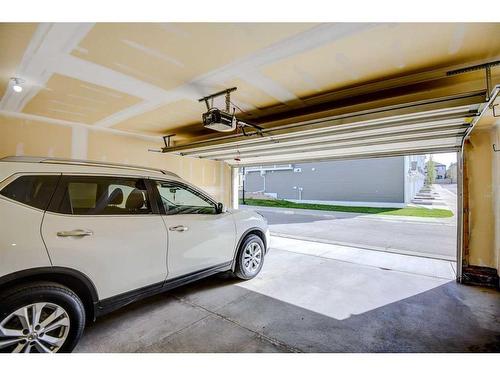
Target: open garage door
{"type": "Point", "coordinates": [417, 128]}
{"type": "Point", "coordinates": [424, 127]}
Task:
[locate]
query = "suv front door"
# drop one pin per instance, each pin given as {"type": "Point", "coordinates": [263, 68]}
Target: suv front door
{"type": "Point", "coordinates": [199, 237]}
{"type": "Point", "coordinates": [107, 228]}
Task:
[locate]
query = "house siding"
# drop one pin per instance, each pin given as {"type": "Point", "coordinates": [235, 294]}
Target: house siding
{"type": "Point", "coordinates": [364, 180]}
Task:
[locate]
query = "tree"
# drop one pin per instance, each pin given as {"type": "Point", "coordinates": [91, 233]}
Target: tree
{"type": "Point", "coordinates": [431, 171]}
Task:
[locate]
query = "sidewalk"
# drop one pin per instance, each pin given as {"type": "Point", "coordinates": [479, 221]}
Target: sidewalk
{"type": "Point", "coordinates": [344, 215]}
{"type": "Point", "coordinates": [439, 197]}
{"type": "Point", "coordinates": [449, 198]}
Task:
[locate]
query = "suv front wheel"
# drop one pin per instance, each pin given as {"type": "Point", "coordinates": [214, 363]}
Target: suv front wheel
{"type": "Point", "coordinates": [40, 317]}
{"type": "Point", "coordinates": [250, 258]}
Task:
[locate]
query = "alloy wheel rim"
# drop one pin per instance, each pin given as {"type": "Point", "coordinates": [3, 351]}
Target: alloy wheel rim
{"type": "Point", "coordinates": [39, 327]}
{"type": "Point", "coordinates": [252, 257]}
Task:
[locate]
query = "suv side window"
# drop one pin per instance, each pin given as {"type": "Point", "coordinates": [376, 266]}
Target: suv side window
{"type": "Point", "coordinates": [35, 191]}
{"type": "Point", "coordinates": [102, 195]}
{"type": "Point", "coordinates": [178, 199]}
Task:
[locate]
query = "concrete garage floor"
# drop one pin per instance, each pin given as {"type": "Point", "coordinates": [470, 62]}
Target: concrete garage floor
{"type": "Point", "coordinates": [310, 299]}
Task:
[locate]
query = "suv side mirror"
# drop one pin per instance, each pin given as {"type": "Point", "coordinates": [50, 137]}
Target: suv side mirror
{"type": "Point", "coordinates": [220, 208]}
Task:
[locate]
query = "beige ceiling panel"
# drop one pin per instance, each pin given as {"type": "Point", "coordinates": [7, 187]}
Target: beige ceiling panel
{"type": "Point", "coordinates": [14, 38]}
{"type": "Point", "coordinates": [169, 54]}
{"type": "Point", "coordinates": [182, 112]}
{"type": "Point", "coordinates": [247, 94]}
{"type": "Point", "coordinates": [382, 52]}
{"type": "Point", "coordinates": [177, 114]}
{"type": "Point", "coordinates": [70, 99]}
{"type": "Point", "coordinates": [165, 118]}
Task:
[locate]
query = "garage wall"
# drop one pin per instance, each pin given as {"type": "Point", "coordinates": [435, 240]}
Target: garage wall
{"type": "Point", "coordinates": [478, 156]}
{"type": "Point", "coordinates": [495, 138]}
{"type": "Point", "coordinates": [21, 137]}
{"type": "Point", "coordinates": [483, 166]}
{"type": "Point", "coordinates": [35, 138]}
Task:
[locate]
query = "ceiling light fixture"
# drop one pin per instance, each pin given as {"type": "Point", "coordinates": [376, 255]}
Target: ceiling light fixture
{"type": "Point", "coordinates": [16, 84]}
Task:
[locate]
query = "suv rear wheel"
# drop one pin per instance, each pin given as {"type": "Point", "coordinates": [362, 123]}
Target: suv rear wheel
{"type": "Point", "coordinates": [40, 317]}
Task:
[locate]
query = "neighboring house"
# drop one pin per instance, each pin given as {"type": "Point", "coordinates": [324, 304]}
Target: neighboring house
{"type": "Point", "coordinates": [387, 182]}
{"type": "Point", "coordinates": [440, 173]}
{"type": "Point", "coordinates": [451, 173]}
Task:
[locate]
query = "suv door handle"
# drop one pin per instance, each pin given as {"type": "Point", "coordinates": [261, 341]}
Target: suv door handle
{"type": "Point", "coordinates": [178, 228]}
{"type": "Point", "coordinates": [75, 233]}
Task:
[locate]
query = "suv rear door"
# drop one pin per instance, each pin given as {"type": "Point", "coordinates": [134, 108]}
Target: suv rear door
{"type": "Point", "coordinates": [23, 199]}
{"type": "Point", "coordinates": [107, 227]}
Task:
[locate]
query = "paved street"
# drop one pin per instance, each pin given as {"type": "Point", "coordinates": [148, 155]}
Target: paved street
{"type": "Point", "coordinates": [428, 237]}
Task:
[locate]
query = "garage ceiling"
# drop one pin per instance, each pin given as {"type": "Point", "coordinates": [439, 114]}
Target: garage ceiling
{"type": "Point", "coordinates": [146, 79]}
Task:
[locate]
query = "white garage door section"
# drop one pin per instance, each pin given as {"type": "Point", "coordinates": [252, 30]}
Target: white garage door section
{"type": "Point", "coordinates": [412, 128]}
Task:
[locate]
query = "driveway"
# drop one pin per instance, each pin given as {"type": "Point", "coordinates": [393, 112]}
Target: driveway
{"type": "Point", "coordinates": [450, 187]}
{"type": "Point", "coordinates": [427, 237]}
{"type": "Point", "coordinates": [435, 238]}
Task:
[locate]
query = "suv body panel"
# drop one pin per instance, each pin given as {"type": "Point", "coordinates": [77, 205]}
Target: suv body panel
{"type": "Point", "coordinates": [21, 245]}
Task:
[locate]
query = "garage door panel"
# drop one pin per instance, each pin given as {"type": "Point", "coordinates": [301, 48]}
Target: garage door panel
{"type": "Point", "coordinates": [416, 128]}
{"type": "Point", "coordinates": [320, 142]}
{"type": "Point", "coordinates": [331, 153]}
{"type": "Point", "coordinates": [336, 134]}
{"type": "Point", "coordinates": [411, 113]}
{"type": "Point", "coordinates": [415, 148]}
{"type": "Point", "coordinates": [346, 145]}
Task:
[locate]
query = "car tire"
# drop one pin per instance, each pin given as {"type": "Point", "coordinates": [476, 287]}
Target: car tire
{"type": "Point", "coordinates": [251, 251]}
{"type": "Point", "coordinates": [50, 317]}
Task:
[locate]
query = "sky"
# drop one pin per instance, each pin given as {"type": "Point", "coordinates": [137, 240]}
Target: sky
{"type": "Point", "coordinates": [446, 159]}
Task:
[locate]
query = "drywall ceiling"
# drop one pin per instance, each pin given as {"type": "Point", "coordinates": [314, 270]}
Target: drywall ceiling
{"type": "Point", "coordinates": [146, 78]}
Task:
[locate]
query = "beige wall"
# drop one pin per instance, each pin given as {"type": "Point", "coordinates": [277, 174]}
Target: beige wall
{"type": "Point", "coordinates": [34, 138]}
{"type": "Point", "coordinates": [26, 137]}
{"type": "Point", "coordinates": [483, 168]}
{"type": "Point", "coordinates": [495, 135]}
{"type": "Point", "coordinates": [478, 155]}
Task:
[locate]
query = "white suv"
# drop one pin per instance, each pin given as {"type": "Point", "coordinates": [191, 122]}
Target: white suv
{"type": "Point", "coordinates": [80, 239]}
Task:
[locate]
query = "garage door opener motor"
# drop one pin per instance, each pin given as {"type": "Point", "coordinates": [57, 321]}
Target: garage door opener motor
{"type": "Point", "coordinates": [219, 120]}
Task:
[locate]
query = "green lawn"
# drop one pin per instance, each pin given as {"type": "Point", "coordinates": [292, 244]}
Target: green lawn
{"type": "Point", "coordinates": [407, 211]}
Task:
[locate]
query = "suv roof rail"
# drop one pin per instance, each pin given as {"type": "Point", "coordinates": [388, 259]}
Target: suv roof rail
{"type": "Point", "coordinates": [36, 159]}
